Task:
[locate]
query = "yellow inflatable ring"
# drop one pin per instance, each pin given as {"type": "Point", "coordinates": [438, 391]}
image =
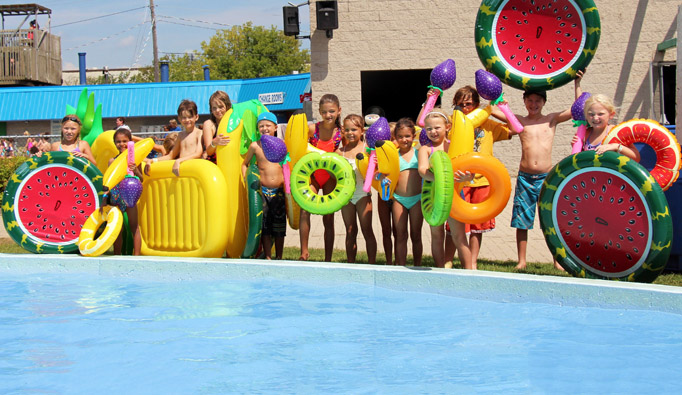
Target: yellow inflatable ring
{"type": "Point", "coordinates": [500, 188]}
{"type": "Point", "coordinates": [337, 166]}
{"type": "Point", "coordinates": [119, 167]}
{"type": "Point", "coordinates": [664, 143]}
{"type": "Point", "coordinates": [91, 246]}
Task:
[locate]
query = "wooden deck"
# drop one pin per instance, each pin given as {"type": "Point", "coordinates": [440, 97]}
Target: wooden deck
{"type": "Point", "coordinates": [30, 61]}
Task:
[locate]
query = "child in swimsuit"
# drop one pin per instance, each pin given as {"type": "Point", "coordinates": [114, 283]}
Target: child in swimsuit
{"type": "Point", "coordinates": [477, 190]}
{"type": "Point", "coordinates": [220, 103]}
{"type": "Point", "coordinates": [437, 125]}
{"type": "Point", "coordinates": [407, 196]}
{"type": "Point", "coordinates": [121, 138]}
{"type": "Point", "coordinates": [71, 142]}
{"type": "Point", "coordinates": [360, 204]}
{"type": "Point", "coordinates": [325, 135]}
{"type": "Point", "coordinates": [599, 111]}
{"type": "Point", "coordinates": [272, 189]}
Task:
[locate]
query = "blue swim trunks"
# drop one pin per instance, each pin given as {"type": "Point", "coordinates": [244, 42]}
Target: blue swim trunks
{"type": "Point", "coordinates": [526, 199]}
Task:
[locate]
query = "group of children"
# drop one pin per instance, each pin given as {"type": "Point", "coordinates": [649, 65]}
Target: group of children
{"type": "Point", "coordinates": [345, 136]}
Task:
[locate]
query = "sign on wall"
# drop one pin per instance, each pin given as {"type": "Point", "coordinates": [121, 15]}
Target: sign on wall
{"type": "Point", "coordinates": [271, 98]}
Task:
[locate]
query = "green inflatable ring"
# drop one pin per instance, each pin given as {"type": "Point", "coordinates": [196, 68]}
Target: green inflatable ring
{"type": "Point", "coordinates": [48, 199]}
{"type": "Point", "coordinates": [253, 194]}
{"type": "Point", "coordinates": [437, 194]}
{"type": "Point", "coordinates": [338, 167]}
{"type": "Point", "coordinates": [604, 216]}
{"type": "Point", "coordinates": [530, 46]}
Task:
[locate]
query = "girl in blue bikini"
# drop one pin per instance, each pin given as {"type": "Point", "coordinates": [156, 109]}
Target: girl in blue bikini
{"type": "Point", "coordinates": [407, 196]}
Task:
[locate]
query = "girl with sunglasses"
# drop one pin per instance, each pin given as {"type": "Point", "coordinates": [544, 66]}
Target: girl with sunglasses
{"type": "Point", "coordinates": [71, 142]}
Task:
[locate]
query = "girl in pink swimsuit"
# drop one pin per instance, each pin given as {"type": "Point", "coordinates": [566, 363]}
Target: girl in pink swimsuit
{"type": "Point", "coordinates": [325, 135]}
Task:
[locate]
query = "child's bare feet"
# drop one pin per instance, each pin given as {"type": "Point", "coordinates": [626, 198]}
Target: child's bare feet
{"type": "Point", "coordinates": [304, 257]}
{"type": "Point", "coordinates": [521, 266]}
{"type": "Point", "coordinates": [448, 265]}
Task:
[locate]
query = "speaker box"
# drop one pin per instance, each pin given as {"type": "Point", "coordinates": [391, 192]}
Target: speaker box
{"type": "Point", "coordinates": [290, 20]}
{"type": "Point", "coordinates": [327, 15]}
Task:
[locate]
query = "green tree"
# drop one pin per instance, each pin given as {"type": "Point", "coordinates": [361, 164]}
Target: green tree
{"type": "Point", "coordinates": [249, 51]}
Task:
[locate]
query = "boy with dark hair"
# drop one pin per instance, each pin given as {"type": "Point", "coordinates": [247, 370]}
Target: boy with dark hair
{"type": "Point", "coordinates": [188, 144]}
{"type": "Point", "coordinates": [536, 161]}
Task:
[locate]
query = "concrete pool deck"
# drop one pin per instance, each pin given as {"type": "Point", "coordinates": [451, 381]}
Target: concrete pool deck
{"type": "Point", "coordinates": [499, 245]}
{"type": "Point", "coordinates": [482, 285]}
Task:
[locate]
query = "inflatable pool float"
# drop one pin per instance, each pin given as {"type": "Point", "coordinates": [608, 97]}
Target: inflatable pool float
{"type": "Point", "coordinates": [255, 211]}
{"type": "Point", "coordinates": [604, 216]}
{"type": "Point", "coordinates": [119, 167]}
{"type": "Point", "coordinates": [296, 139]}
{"type": "Point", "coordinates": [500, 188]}
{"type": "Point", "coordinates": [437, 194]}
{"type": "Point", "coordinates": [657, 137]}
{"type": "Point", "coordinates": [89, 243]}
{"type": "Point", "coordinates": [184, 216]}
{"type": "Point", "coordinates": [103, 149]}
{"type": "Point", "coordinates": [536, 46]}
{"type": "Point", "coordinates": [238, 123]}
{"type": "Point", "coordinates": [315, 203]}
{"type": "Point", "coordinates": [388, 168]}
{"type": "Point", "coordinates": [48, 199]}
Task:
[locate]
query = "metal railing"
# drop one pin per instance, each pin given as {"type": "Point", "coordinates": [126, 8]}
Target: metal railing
{"type": "Point", "coordinates": [30, 56]}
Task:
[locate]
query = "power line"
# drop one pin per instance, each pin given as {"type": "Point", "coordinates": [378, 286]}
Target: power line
{"type": "Point", "coordinates": [98, 17]}
{"type": "Point", "coordinates": [193, 20]}
{"type": "Point", "coordinates": [105, 38]}
{"type": "Point", "coordinates": [185, 24]}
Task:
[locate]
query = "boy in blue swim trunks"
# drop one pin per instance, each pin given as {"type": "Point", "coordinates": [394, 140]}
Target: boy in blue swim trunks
{"type": "Point", "coordinates": [536, 162]}
{"type": "Point", "coordinates": [272, 188]}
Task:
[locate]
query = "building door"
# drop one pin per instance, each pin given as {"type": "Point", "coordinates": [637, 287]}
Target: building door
{"type": "Point", "coordinates": [399, 92]}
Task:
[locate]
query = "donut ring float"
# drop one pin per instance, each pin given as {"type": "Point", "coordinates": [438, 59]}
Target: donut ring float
{"type": "Point", "coordinates": [48, 199]}
{"type": "Point", "coordinates": [529, 45]}
{"type": "Point", "coordinates": [437, 195]}
{"type": "Point", "coordinates": [500, 188]}
{"type": "Point", "coordinates": [663, 142]}
{"type": "Point", "coordinates": [604, 216]}
{"type": "Point", "coordinates": [88, 244]}
{"type": "Point", "coordinates": [312, 202]}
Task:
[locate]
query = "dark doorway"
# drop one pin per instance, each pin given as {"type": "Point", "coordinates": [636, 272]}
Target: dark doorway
{"type": "Point", "coordinates": [669, 77]}
{"type": "Point", "coordinates": [399, 92]}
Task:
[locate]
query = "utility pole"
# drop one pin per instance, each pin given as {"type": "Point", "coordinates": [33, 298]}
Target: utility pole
{"type": "Point", "coordinates": [155, 47]}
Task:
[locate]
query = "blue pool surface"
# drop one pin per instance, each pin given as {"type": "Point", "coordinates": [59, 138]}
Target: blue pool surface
{"type": "Point", "coordinates": [116, 325]}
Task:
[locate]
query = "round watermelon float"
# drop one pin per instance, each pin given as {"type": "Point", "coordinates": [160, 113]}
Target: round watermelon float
{"type": "Point", "coordinates": [48, 199]}
{"type": "Point", "coordinates": [604, 216]}
{"type": "Point", "coordinates": [536, 44]}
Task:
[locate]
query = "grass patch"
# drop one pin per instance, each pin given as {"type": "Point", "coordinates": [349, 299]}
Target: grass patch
{"type": "Point", "coordinates": [8, 246]}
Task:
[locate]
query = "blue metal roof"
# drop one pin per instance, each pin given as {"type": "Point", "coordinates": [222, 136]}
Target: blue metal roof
{"type": "Point", "coordinates": [150, 99]}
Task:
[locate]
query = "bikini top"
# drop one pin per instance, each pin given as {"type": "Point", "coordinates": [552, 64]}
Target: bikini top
{"type": "Point", "coordinates": [412, 164]}
{"type": "Point", "coordinates": [589, 147]}
{"type": "Point", "coordinates": [315, 138]}
{"type": "Point", "coordinates": [77, 149]}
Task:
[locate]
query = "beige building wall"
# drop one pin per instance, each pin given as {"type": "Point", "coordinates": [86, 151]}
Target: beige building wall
{"type": "Point", "coordinates": [419, 34]}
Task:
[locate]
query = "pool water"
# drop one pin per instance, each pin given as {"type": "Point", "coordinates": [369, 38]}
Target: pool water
{"type": "Point", "coordinates": [81, 333]}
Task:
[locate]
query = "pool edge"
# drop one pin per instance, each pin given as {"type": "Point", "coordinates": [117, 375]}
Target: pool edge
{"type": "Point", "coordinates": [483, 285]}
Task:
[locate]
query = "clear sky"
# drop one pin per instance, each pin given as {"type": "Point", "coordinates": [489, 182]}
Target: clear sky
{"type": "Point", "coordinates": [124, 39]}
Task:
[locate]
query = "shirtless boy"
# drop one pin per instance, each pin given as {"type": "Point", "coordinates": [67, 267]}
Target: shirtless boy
{"type": "Point", "coordinates": [536, 162]}
{"type": "Point", "coordinates": [272, 188]}
{"type": "Point", "coordinates": [188, 145]}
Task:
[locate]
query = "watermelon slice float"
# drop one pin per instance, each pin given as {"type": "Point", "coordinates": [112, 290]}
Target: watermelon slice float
{"type": "Point", "coordinates": [48, 199]}
{"type": "Point", "coordinates": [604, 216]}
{"type": "Point", "coordinates": [536, 44]}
